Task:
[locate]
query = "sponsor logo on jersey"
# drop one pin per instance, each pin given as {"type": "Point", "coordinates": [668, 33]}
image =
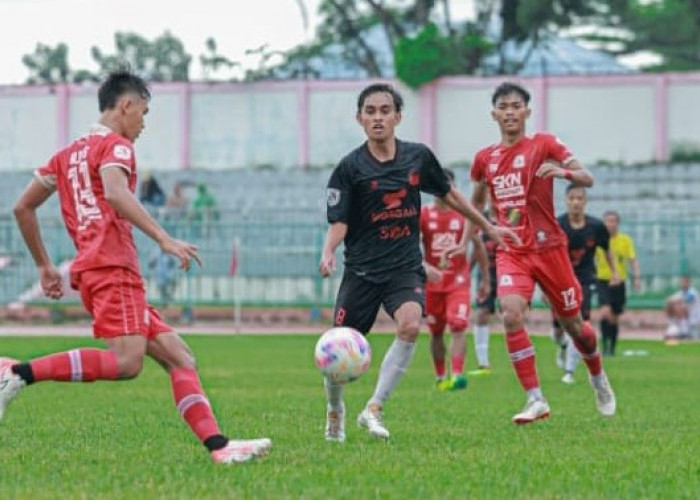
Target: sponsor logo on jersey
{"type": "Point", "coordinates": [508, 185]}
{"type": "Point", "coordinates": [506, 280]}
{"type": "Point", "coordinates": [513, 216]}
{"type": "Point", "coordinates": [541, 236]}
{"type": "Point", "coordinates": [333, 196]}
{"type": "Point", "coordinates": [122, 152]}
{"type": "Point", "coordinates": [432, 226]}
{"type": "Point", "coordinates": [519, 161]}
{"type": "Point", "coordinates": [393, 200]}
{"type": "Point", "coordinates": [493, 167]}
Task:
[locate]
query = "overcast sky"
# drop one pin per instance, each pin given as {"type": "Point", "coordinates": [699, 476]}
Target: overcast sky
{"type": "Point", "coordinates": [84, 23]}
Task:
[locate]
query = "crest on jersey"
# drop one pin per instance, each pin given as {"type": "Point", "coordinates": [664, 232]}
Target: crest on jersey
{"type": "Point", "coordinates": [519, 161]}
{"type": "Point", "coordinates": [122, 152]}
{"type": "Point", "coordinates": [454, 224]}
{"type": "Point", "coordinates": [506, 280]}
{"type": "Point", "coordinates": [541, 236]}
{"type": "Point", "coordinates": [333, 196]}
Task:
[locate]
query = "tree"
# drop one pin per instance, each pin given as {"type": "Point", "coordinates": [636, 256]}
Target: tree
{"type": "Point", "coordinates": [669, 28]}
{"type": "Point", "coordinates": [161, 60]}
{"type": "Point", "coordinates": [213, 62]}
{"type": "Point", "coordinates": [47, 65]}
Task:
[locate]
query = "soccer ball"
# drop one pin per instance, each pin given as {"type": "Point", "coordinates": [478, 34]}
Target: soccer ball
{"type": "Point", "coordinates": [342, 354]}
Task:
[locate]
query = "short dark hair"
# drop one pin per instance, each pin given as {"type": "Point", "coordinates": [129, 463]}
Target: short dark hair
{"type": "Point", "coordinates": [119, 82]}
{"type": "Point", "coordinates": [613, 213]}
{"type": "Point", "coordinates": [376, 88]}
{"type": "Point", "coordinates": [507, 88]}
{"type": "Point", "coordinates": [450, 174]}
{"type": "Point", "coordinates": [571, 187]}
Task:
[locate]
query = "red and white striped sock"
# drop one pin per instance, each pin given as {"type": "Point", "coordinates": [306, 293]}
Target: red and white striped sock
{"type": "Point", "coordinates": [77, 365]}
{"type": "Point", "coordinates": [522, 355]}
{"type": "Point", "coordinates": [192, 403]}
{"type": "Point", "coordinates": [587, 345]}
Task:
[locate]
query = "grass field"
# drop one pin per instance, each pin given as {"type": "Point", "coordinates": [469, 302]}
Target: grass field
{"type": "Point", "coordinates": [126, 440]}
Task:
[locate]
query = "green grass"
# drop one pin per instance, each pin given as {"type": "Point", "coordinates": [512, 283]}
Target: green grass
{"type": "Point", "coordinates": [125, 439]}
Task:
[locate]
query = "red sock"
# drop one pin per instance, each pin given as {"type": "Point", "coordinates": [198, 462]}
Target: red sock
{"type": "Point", "coordinates": [587, 345]}
{"type": "Point", "coordinates": [457, 364]}
{"type": "Point", "coordinates": [439, 367]}
{"type": "Point", "coordinates": [77, 365]}
{"type": "Point", "coordinates": [522, 355]}
{"type": "Point", "coordinates": [192, 404]}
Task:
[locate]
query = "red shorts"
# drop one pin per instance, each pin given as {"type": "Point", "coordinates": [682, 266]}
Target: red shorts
{"type": "Point", "coordinates": [447, 309]}
{"type": "Point", "coordinates": [115, 297]}
{"type": "Point", "coordinates": [551, 269]}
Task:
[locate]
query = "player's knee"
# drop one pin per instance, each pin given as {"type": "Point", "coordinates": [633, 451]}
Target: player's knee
{"type": "Point", "coordinates": [513, 319]}
{"type": "Point", "coordinates": [408, 329]}
{"type": "Point", "coordinates": [130, 367]}
{"type": "Point", "coordinates": [458, 326]}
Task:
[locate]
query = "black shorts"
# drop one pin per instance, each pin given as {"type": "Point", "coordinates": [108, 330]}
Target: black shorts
{"type": "Point", "coordinates": [359, 300]}
{"type": "Point", "coordinates": [489, 303]}
{"type": "Point", "coordinates": [587, 291]}
{"type": "Point", "coordinates": [613, 296]}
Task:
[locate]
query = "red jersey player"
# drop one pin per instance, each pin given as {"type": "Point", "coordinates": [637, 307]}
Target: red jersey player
{"type": "Point", "coordinates": [518, 173]}
{"type": "Point", "coordinates": [447, 289]}
{"type": "Point", "coordinates": [95, 177]}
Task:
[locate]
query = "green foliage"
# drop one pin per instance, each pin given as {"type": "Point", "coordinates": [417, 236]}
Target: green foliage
{"type": "Point", "coordinates": [430, 55]}
{"type": "Point", "coordinates": [126, 440]}
{"type": "Point", "coordinates": [669, 28]}
{"type": "Point", "coordinates": [47, 64]}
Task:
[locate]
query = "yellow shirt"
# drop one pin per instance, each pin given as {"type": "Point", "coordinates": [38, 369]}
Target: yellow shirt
{"type": "Point", "coordinates": [622, 248]}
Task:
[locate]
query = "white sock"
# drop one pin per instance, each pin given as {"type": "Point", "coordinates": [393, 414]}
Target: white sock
{"type": "Point", "coordinates": [560, 341]}
{"type": "Point", "coordinates": [396, 360]}
{"type": "Point", "coordinates": [572, 357]}
{"type": "Point", "coordinates": [535, 393]}
{"type": "Point", "coordinates": [334, 393]}
{"type": "Point", "coordinates": [481, 344]}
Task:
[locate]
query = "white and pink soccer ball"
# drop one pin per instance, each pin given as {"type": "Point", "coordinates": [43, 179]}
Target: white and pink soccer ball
{"type": "Point", "coordinates": [342, 354]}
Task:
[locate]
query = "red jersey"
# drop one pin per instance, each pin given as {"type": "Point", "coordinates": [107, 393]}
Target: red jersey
{"type": "Point", "coordinates": [443, 229]}
{"type": "Point", "coordinates": [522, 201]}
{"type": "Point", "coordinates": [101, 236]}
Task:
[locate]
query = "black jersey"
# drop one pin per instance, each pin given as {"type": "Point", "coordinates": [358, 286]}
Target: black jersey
{"type": "Point", "coordinates": [381, 203]}
{"type": "Point", "coordinates": [582, 244]}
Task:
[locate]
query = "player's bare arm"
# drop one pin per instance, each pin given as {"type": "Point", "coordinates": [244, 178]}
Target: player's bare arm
{"type": "Point", "coordinates": [572, 171]}
{"type": "Point", "coordinates": [612, 264]}
{"type": "Point", "coordinates": [456, 200]}
{"type": "Point", "coordinates": [34, 195]}
{"type": "Point", "coordinates": [335, 235]}
{"type": "Point", "coordinates": [637, 277]}
{"type": "Point", "coordinates": [120, 197]}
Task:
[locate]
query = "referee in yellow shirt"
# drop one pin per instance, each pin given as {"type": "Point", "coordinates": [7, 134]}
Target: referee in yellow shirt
{"type": "Point", "coordinates": [612, 297]}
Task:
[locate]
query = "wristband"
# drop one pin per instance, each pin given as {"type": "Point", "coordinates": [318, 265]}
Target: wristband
{"type": "Point", "coordinates": [568, 175]}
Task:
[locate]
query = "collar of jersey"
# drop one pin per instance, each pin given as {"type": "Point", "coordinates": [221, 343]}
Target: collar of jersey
{"type": "Point", "coordinates": [100, 129]}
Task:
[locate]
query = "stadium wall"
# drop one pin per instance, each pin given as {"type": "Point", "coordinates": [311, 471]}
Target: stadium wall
{"type": "Point", "coordinates": [620, 119]}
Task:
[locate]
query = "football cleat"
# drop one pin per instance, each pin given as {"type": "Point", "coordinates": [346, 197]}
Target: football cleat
{"type": "Point", "coordinates": [604, 395]}
{"type": "Point", "coordinates": [10, 384]}
{"type": "Point", "coordinates": [458, 382]}
{"type": "Point", "coordinates": [371, 419]}
{"type": "Point", "coordinates": [482, 371]}
{"type": "Point", "coordinates": [568, 378]}
{"type": "Point", "coordinates": [335, 424]}
{"type": "Point", "coordinates": [443, 384]}
{"type": "Point", "coordinates": [241, 451]}
{"type": "Point", "coordinates": [535, 409]}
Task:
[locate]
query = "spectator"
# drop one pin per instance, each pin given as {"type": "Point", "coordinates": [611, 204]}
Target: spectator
{"type": "Point", "coordinates": [164, 268]}
{"type": "Point", "coordinates": [176, 204]}
{"type": "Point", "coordinates": [150, 192]}
{"type": "Point", "coordinates": [204, 209]}
{"type": "Point", "coordinates": [683, 312]}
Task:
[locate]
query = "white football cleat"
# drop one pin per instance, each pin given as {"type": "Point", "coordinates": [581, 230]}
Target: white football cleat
{"type": "Point", "coordinates": [568, 378]}
{"type": "Point", "coordinates": [604, 395]}
{"type": "Point", "coordinates": [535, 409]}
{"type": "Point", "coordinates": [371, 419]}
{"type": "Point", "coordinates": [335, 424]}
{"type": "Point", "coordinates": [10, 384]}
{"type": "Point", "coordinates": [561, 356]}
{"type": "Point", "coordinates": [240, 451]}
